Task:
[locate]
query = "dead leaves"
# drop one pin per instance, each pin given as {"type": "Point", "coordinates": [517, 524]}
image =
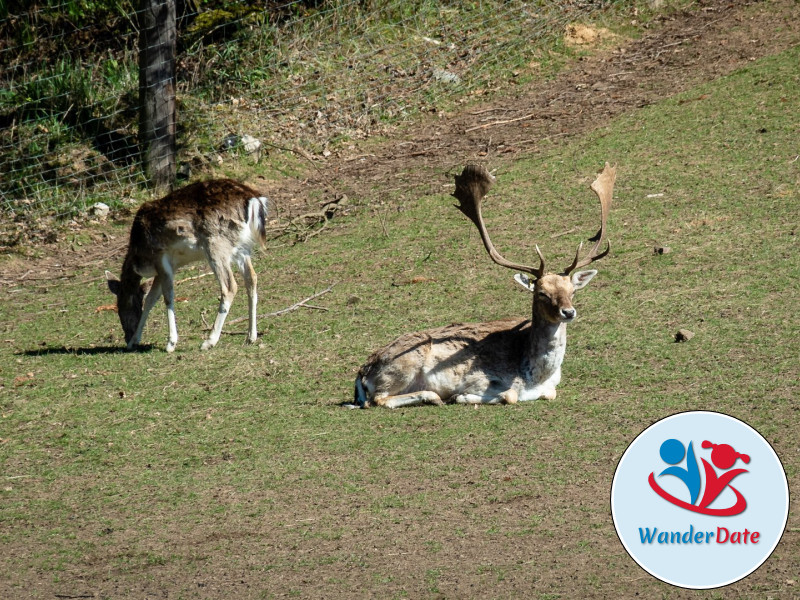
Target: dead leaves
{"type": "Point", "coordinates": [577, 34]}
{"type": "Point", "coordinates": [23, 379]}
{"type": "Point", "coordinates": [416, 280]}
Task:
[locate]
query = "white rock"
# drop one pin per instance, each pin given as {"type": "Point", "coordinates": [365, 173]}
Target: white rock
{"type": "Point", "coordinates": [99, 210]}
{"type": "Point", "coordinates": [250, 144]}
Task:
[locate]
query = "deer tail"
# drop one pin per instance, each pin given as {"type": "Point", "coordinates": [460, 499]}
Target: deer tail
{"type": "Point", "coordinates": [257, 218]}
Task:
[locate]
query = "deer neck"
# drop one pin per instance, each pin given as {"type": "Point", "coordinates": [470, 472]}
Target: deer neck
{"type": "Point", "coordinates": [547, 345]}
{"type": "Point", "coordinates": [129, 281]}
{"type": "Point", "coordinates": [547, 336]}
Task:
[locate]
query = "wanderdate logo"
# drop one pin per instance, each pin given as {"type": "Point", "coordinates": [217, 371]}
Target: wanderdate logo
{"type": "Point", "coordinates": [699, 500]}
{"type": "Point", "coordinates": [723, 457]}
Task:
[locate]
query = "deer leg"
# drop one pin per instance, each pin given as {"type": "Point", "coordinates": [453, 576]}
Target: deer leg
{"type": "Point", "coordinates": [168, 291]}
{"type": "Point", "coordinates": [547, 390]}
{"type": "Point", "coordinates": [227, 287]}
{"type": "Point", "coordinates": [412, 399]}
{"type": "Point", "coordinates": [250, 283]}
{"type": "Point", "coordinates": [149, 302]}
{"type": "Point", "coordinates": [507, 397]}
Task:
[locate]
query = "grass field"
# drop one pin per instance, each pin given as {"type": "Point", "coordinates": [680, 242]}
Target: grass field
{"type": "Point", "coordinates": [235, 473]}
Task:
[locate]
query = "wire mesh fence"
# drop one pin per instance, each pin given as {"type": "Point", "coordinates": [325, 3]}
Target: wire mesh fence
{"type": "Point", "coordinates": [310, 76]}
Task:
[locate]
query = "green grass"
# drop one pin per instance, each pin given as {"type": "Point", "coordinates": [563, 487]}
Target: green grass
{"type": "Point", "coordinates": [152, 472]}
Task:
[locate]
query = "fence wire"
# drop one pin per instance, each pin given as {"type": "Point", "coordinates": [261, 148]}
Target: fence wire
{"type": "Point", "coordinates": [312, 77]}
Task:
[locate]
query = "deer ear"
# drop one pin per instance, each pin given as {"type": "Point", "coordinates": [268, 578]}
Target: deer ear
{"type": "Point", "coordinates": [525, 281]}
{"type": "Point", "coordinates": [581, 278]}
{"type": "Point", "coordinates": [113, 284]}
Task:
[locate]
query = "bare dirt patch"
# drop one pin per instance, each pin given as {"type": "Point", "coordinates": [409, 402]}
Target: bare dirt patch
{"type": "Point", "coordinates": [682, 51]}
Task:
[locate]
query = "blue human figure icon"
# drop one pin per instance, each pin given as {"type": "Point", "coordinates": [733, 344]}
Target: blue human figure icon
{"type": "Point", "coordinates": [672, 452]}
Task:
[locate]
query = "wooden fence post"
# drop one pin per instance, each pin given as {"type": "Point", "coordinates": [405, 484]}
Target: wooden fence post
{"type": "Point", "coordinates": [157, 47]}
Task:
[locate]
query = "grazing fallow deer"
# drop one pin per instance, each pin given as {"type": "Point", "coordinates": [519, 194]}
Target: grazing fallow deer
{"type": "Point", "coordinates": [220, 221]}
{"type": "Point", "coordinates": [500, 362]}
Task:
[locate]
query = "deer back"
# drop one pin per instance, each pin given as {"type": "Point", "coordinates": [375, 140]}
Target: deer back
{"type": "Point", "coordinates": [449, 359]}
{"type": "Point", "coordinates": [193, 220]}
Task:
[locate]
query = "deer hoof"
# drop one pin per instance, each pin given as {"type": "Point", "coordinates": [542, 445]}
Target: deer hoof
{"type": "Point", "coordinates": [432, 398]}
{"type": "Point", "coordinates": [510, 397]}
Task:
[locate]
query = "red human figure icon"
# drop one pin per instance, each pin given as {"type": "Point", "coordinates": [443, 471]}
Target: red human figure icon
{"type": "Point", "coordinates": [724, 457]}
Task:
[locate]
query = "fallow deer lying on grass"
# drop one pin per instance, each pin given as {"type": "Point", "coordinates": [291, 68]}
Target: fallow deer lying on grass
{"type": "Point", "coordinates": [500, 362]}
{"type": "Point", "coordinates": [220, 221]}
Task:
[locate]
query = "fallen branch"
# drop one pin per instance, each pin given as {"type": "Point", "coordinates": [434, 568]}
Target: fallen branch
{"type": "Point", "coordinates": [295, 306]}
{"type": "Point", "coordinates": [504, 122]}
{"type": "Point", "coordinates": [303, 225]}
{"type": "Point", "coordinates": [194, 277]}
{"type": "Point", "coordinates": [567, 232]}
{"type": "Point", "coordinates": [488, 110]}
{"type": "Point", "coordinates": [359, 156]}
{"type": "Point", "coordinates": [295, 150]}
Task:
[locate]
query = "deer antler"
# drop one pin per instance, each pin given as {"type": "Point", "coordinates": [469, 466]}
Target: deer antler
{"type": "Point", "coordinates": [471, 186]}
{"type": "Point", "coordinates": [603, 186]}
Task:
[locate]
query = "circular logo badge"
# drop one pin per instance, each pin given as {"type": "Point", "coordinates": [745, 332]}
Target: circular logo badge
{"type": "Point", "coordinates": [699, 500]}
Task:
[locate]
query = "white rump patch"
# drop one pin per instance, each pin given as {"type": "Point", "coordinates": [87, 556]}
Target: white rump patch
{"type": "Point", "coordinates": [257, 217]}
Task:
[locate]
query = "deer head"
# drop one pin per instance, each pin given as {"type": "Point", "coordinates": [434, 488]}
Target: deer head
{"type": "Point", "coordinates": [130, 299]}
{"type": "Point", "coordinates": [552, 293]}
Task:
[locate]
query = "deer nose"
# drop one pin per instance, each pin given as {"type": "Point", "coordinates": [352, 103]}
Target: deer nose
{"type": "Point", "coordinates": [568, 313]}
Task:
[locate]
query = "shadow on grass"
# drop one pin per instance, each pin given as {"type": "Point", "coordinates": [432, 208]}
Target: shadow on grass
{"type": "Point", "coordinates": [85, 351]}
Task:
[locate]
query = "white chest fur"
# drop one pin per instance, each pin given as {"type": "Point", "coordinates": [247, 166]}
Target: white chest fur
{"type": "Point", "coordinates": [541, 368]}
